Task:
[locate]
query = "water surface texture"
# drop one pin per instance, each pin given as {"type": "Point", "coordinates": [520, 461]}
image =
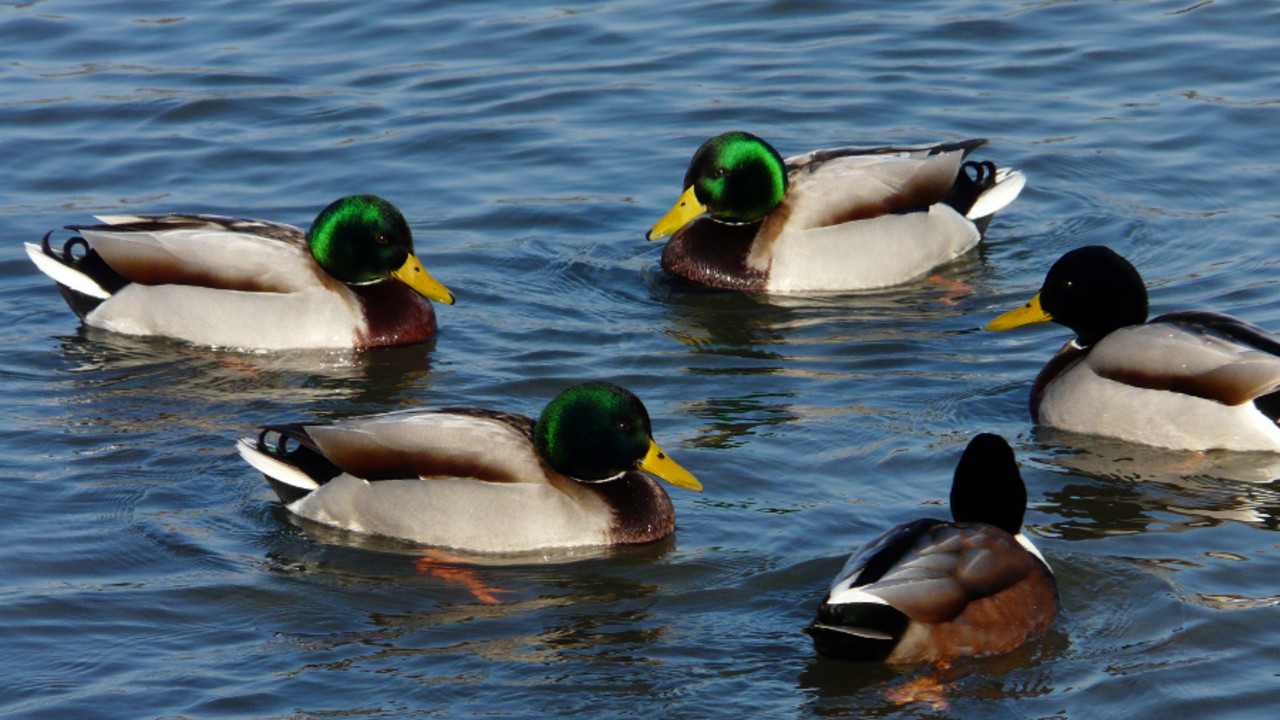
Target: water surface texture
{"type": "Point", "coordinates": [145, 571]}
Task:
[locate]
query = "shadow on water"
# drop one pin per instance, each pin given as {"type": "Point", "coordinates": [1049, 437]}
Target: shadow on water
{"type": "Point", "coordinates": [767, 350]}
{"type": "Point", "coordinates": [412, 604]}
{"type": "Point", "coordinates": [768, 327]}
{"type": "Point", "coordinates": [111, 368]}
{"type": "Point", "coordinates": [1137, 489]}
{"type": "Point", "coordinates": [835, 687]}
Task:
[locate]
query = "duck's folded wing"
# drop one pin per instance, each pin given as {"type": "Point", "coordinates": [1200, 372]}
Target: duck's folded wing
{"type": "Point", "coordinates": [949, 566]}
{"type": "Point", "coordinates": [456, 443]}
{"type": "Point", "coordinates": [205, 251]}
{"type": "Point", "coordinates": [1206, 355]}
{"type": "Point", "coordinates": [870, 562]}
{"type": "Point", "coordinates": [919, 152]}
{"type": "Point", "coordinates": [845, 188]}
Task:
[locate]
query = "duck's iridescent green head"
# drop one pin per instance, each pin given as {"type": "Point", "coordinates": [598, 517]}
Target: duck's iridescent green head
{"type": "Point", "coordinates": [597, 431]}
{"type": "Point", "coordinates": [735, 178]}
{"type": "Point", "coordinates": [363, 238]}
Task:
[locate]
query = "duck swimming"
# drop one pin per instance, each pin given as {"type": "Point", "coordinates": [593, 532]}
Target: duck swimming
{"type": "Point", "coordinates": [1190, 380]}
{"type": "Point", "coordinates": [352, 281]}
{"type": "Point", "coordinates": [481, 480]}
{"type": "Point", "coordinates": [931, 590]}
{"type": "Point", "coordinates": [839, 219]}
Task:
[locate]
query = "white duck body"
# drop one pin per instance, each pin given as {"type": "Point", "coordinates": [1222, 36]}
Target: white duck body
{"type": "Point", "coordinates": [227, 282]}
{"type": "Point", "coordinates": [1182, 381]}
{"type": "Point", "coordinates": [459, 478]}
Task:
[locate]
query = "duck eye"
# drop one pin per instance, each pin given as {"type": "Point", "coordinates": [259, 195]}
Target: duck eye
{"type": "Point", "coordinates": [720, 172]}
{"type": "Point", "coordinates": [622, 426]}
{"type": "Point", "coordinates": [382, 239]}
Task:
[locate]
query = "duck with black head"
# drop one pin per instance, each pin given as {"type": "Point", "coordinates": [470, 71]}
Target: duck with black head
{"type": "Point", "coordinates": [932, 590]}
{"type": "Point", "coordinates": [1190, 380]}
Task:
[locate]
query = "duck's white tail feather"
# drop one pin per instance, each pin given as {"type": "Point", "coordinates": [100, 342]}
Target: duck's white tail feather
{"type": "Point", "coordinates": [1008, 186]}
{"type": "Point", "coordinates": [120, 219]}
{"type": "Point", "coordinates": [65, 274]}
{"type": "Point", "coordinates": [273, 468]}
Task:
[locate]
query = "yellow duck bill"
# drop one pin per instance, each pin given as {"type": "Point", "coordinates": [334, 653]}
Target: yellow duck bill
{"type": "Point", "coordinates": [411, 273]}
{"type": "Point", "coordinates": [1025, 315]}
{"type": "Point", "coordinates": [686, 209]}
{"type": "Point", "coordinates": [658, 463]}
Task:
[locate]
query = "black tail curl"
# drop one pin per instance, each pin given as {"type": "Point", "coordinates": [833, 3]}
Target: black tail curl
{"type": "Point", "coordinates": [973, 179]}
{"type": "Point", "coordinates": [275, 441]}
{"type": "Point", "coordinates": [88, 262]}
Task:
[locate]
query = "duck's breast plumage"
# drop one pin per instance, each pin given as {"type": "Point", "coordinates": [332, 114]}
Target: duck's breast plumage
{"type": "Point", "coordinates": [715, 254]}
{"type": "Point", "coordinates": [1184, 380]}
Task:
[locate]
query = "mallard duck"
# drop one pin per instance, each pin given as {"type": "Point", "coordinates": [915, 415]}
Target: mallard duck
{"type": "Point", "coordinates": [1186, 380]}
{"type": "Point", "coordinates": [352, 281]}
{"type": "Point", "coordinates": [481, 480]}
{"type": "Point", "coordinates": [841, 219]}
{"type": "Point", "coordinates": [931, 590]}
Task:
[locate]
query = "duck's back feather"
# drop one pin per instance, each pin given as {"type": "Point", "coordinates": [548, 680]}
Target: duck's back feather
{"type": "Point", "coordinates": [1205, 355]}
{"type": "Point", "coordinates": [919, 152]}
{"type": "Point", "coordinates": [929, 590]}
{"type": "Point", "coordinates": [481, 445]}
{"type": "Point", "coordinates": [206, 251]}
{"type": "Point", "coordinates": [841, 188]}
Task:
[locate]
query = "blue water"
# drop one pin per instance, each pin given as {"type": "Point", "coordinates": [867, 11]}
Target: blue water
{"type": "Point", "coordinates": [147, 572]}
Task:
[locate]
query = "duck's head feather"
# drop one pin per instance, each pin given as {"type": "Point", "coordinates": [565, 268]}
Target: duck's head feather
{"type": "Point", "coordinates": [1092, 290]}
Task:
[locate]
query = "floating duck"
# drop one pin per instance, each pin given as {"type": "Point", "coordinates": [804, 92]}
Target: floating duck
{"type": "Point", "coordinates": [352, 281]}
{"type": "Point", "coordinates": [481, 480]}
{"type": "Point", "coordinates": [841, 219]}
{"type": "Point", "coordinates": [931, 590]}
{"type": "Point", "coordinates": [1188, 380]}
